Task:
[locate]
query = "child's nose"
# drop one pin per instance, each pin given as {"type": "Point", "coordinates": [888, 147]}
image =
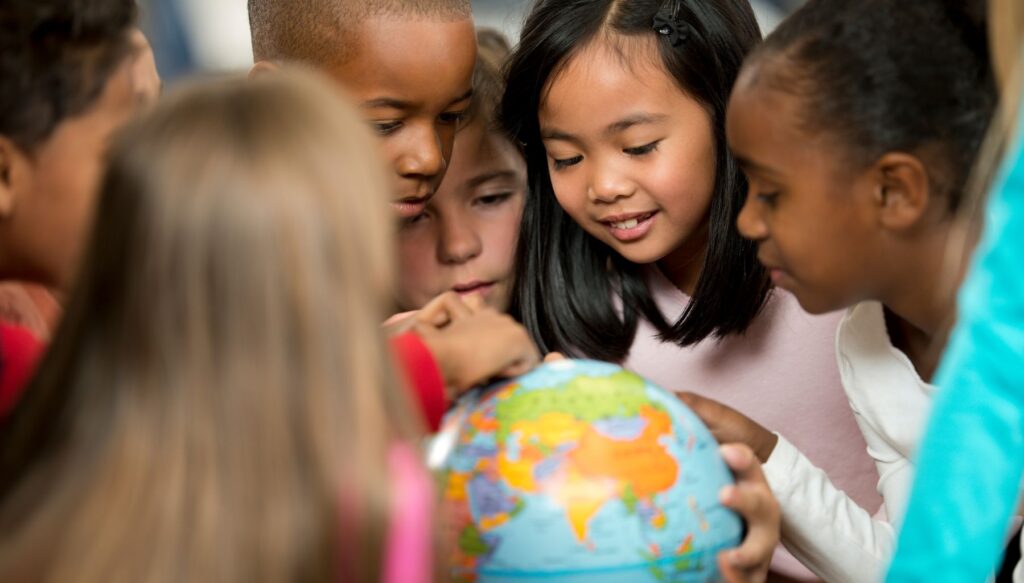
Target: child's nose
{"type": "Point", "coordinates": [608, 185]}
{"type": "Point", "coordinates": [750, 223]}
{"type": "Point", "coordinates": [424, 157]}
{"type": "Point", "coordinates": [458, 241]}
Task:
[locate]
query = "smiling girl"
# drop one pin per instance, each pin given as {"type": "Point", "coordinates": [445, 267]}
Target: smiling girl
{"type": "Point", "coordinates": [628, 249]}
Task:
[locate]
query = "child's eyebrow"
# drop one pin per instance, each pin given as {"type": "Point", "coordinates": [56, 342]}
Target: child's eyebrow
{"type": "Point", "coordinates": [483, 178]}
{"type": "Point", "coordinates": [633, 120]}
{"type": "Point", "coordinates": [558, 135]}
{"type": "Point", "coordinates": [463, 97]}
{"type": "Point", "coordinates": [394, 103]}
{"type": "Point", "coordinates": [747, 164]}
{"type": "Point", "coordinates": [388, 102]}
{"type": "Point", "coordinates": [612, 129]}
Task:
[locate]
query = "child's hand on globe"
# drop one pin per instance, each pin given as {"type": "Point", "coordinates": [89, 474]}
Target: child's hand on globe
{"type": "Point", "coordinates": [752, 499]}
{"type": "Point", "coordinates": [730, 426]}
{"type": "Point", "coordinates": [441, 311]}
{"type": "Point", "coordinates": [473, 344]}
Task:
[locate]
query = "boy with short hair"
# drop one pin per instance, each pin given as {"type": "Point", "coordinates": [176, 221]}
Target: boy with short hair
{"type": "Point", "coordinates": [408, 64]}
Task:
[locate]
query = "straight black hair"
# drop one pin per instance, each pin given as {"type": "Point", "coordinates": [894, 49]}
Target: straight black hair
{"type": "Point", "coordinates": [566, 280]}
{"type": "Point", "coordinates": [888, 75]}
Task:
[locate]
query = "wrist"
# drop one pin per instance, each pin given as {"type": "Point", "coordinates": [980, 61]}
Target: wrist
{"type": "Point", "coordinates": [766, 446]}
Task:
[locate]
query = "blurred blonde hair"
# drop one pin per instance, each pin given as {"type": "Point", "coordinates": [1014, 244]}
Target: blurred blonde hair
{"type": "Point", "coordinates": [493, 50]}
{"type": "Point", "coordinates": [218, 404]}
{"type": "Point", "coordinates": [1006, 36]}
{"type": "Point", "coordinates": [1007, 24]}
{"type": "Point", "coordinates": [1006, 39]}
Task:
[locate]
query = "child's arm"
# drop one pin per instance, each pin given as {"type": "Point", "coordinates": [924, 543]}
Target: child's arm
{"type": "Point", "coordinates": [422, 376]}
{"type": "Point", "coordinates": [972, 456]}
{"type": "Point", "coordinates": [822, 526]}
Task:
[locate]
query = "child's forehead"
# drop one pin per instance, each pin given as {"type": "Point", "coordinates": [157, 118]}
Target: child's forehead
{"type": "Point", "coordinates": [606, 73]}
{"type": "Point", "coordinates": [615, 56]}
{"type": "Point", "coordinates": [403, 35]}
{"type": "Point", "coordinates": [403, 57]}
{"type": "Point", "coordinates": [757, 109]}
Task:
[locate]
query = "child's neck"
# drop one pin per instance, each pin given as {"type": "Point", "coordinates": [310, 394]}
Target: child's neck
{"type": "Point", "coordinates": [923, 349]}
{"type": "Point", "coordinates": [683, 265]}
{"type": "Point", "coordinates": [921, 307]}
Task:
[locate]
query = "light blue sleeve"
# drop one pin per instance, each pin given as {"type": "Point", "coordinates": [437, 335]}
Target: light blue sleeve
{"type": "Point", "coordinates": [972, 457]}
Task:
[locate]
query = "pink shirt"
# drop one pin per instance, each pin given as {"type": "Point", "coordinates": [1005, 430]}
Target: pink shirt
{"type": "Point", "coordinates": [409, 552]}
{"type": "Point", "coordinates": [782, 373]}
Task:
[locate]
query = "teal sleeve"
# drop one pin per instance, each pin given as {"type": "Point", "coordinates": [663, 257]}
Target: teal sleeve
{"type": "Point", "coordinates": [971, 460]}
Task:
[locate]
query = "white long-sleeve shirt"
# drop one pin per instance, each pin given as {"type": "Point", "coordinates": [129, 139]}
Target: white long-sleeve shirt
{"type": "Point", "coordinates": [822, 526]}
{"type": "Point", "coordinates": [781, 373]}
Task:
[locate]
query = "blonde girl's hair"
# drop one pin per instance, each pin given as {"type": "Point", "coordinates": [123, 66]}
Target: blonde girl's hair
{"type": "Point", "coordinates": [493, 50]}
{"type": "Point", "coordinates": [218, 404]}
{"type": "Point", "coordinates": [1006, 22]}
{"type": "Point", "coordinates": [1006, 39]}
{"type": "Point", "coordinates": [1006, 36]}
{"type": "Point", "coordinates": [1007, 31]}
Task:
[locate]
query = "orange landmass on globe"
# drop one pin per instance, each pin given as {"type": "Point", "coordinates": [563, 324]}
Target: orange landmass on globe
{"type": "Point", "coordinates": [582, 497]}
{"type": "Point", "coordinates": [537, 439]}
{"type": "Point", "coordinates": [642, 463]}
{"type": "Point", "coordinates": [455, 489]}
{"type": "Point", "coordinates": [597, 470]}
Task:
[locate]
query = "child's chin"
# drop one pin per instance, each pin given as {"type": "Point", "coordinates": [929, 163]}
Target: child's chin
{"type": "Point", "coordinates": [814, 305]}
{"type": "Point", "coordinates": [641, 254]}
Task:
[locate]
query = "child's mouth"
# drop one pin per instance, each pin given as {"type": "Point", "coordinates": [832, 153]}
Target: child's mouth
{"type": "Point", "coordinates": [409, 207]}
{"type": "Point", "coordinates": [630, 227]}
{"type": "Point", "coordinates": [474, 287]}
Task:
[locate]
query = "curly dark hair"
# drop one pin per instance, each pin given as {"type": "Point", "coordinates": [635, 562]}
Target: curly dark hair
{"type": "Point", "coordinates": [55, 58]}
{"type": "Point", "coordinates": [888, 75]}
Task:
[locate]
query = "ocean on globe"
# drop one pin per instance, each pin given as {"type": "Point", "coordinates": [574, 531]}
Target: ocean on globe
{"type": "Point", "coordinates": [581, 471]}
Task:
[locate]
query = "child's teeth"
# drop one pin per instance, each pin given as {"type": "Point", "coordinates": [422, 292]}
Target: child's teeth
{"type": "Point", "coordinates": [630, 224]}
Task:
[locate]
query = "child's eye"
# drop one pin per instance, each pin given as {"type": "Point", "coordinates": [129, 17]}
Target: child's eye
{"type": "Point", "coordinates": [642, 150]}
{"type": "Point", "coordinates": [452, 117]}
{"type": "Point", "coordinates": [563, 163]}
{"type": "Point", "coordinates": [767, 198]}
{"type": "Point", "coordinates": [413, 220]}
{"type": "Point", "coordinates": [385, 128]}
{"type": "Point", "coordinates": [493, 199]}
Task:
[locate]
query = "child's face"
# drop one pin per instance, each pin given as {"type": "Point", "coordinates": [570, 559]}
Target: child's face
{"type": "Point", "coordinates": [465, 239]}
{"type": "Point", "coordinates": [813, 219]}
{"type": "Point", "coordinates": [57, 189]}
{"type": "Point", "coordinates": [631, 157]}
{"type": "Point", "coordinates": [413, 81]}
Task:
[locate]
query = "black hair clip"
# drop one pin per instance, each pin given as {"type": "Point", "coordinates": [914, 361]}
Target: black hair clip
{"type": "Point", "coordinates": [668, 24]}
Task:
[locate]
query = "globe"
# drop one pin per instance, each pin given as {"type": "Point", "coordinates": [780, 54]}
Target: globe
{"type": "Point", "coordinates": [582, 471]}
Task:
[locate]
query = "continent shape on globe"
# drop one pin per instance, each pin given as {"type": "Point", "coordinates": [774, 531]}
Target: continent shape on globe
{"type": "Point", "coordinates": [583, 470]}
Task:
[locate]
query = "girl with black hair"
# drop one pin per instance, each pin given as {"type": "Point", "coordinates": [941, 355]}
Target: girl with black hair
{"type": "Point", "coordinates": [857, 123]}
{"type": "Point", "coordinates": [629, 251]}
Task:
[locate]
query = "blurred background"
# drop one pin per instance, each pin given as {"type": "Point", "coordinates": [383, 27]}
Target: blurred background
{"type": "Point", "coordinates": [195, 36]}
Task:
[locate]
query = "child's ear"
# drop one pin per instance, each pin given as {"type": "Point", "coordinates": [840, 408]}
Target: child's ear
{"type": "Point", "coordinates": [13, 171]}
{"type": "Point", "coordinates": [261, 68]}
{"type": "Point", "coordinates": [902, 190]}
